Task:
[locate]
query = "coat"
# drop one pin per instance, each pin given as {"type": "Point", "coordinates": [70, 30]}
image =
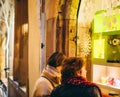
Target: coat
{"type": "Point", "coordinates": [76, 88]}
{"type": "Point", "coordinates": [49, 79]}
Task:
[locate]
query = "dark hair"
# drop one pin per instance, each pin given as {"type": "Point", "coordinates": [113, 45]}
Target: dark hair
{"type": "Point", "coordinates": [71, 66]}
{"type": "Point", "coordinates": [56, 59]}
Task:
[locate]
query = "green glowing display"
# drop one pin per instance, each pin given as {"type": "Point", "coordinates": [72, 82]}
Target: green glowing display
{"type": "Point", "coordinates": [99, 48]}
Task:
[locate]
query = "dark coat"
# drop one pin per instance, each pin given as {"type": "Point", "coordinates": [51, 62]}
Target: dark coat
{"type": "Point", "coordinates": [72, 90]}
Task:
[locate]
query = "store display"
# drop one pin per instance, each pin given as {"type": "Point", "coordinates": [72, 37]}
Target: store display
{"type": "Point", "coordinates": [106, 51]}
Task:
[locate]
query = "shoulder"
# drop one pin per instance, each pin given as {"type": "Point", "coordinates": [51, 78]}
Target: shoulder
{"type": "Point", "coordinates": [40, 81]}
{"type": "Point", "coordinates": [63, 88]}
{"type": "Point", "coordinates": [43, 83]}
{"type": "Point", "coordinates": [93, 91]}
{"type": "Point", "coordinates": [42, 87]}
{"type": "Point", "coordinates": [55, 92]}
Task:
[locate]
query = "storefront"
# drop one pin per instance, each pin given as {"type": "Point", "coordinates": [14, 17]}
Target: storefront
{"type": "Point", "coordinates": [100, 23]}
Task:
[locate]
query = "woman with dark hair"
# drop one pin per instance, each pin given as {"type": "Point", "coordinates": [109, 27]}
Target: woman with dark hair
{"type": "Point", "coordinates": [50, 77]}
{"type": "Point", "coordinates": [74, 82]}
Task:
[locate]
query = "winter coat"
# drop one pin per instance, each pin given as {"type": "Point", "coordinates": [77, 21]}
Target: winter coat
{"type": "Point", "coordinates": [76, 87]}
{"type": "Point", "coordinates": [50, 78]}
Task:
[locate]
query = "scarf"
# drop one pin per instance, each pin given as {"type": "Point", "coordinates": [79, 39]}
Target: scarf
{"type": "Point", "coordinates": [52, 74]}
{"type": "Point", "coordinates": [81, 81]}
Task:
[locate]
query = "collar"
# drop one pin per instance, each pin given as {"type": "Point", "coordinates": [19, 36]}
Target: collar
{"type": "Point", "coordinates": [52, 73]}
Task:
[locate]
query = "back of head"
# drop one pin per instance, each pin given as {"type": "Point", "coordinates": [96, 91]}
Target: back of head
{"type": "Point", "coordinates": [71, 66]}
{"type": "Point", "coordinates": [56, 59]}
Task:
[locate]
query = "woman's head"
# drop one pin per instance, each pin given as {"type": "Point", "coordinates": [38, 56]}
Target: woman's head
{"type": "Point", "coordinates": [73, 66]}
{"type": "Point", "coordinates": [56, 59]}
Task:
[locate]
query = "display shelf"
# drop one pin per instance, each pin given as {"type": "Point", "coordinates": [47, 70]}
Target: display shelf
{"type": "Point", "coordinates": [107, 76]}
{"type": "Point", "coordinates": [107, 64]}
{"type": "Point", "coordinates": [106, 52]}
{"type": "Point", "coordinates": [111, 89]}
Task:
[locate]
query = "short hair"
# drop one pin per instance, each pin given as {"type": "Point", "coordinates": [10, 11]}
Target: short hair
{"type": "Point", "coordinates": [56, 59]}
{"type": "Point", "coordinates": [70, 66]}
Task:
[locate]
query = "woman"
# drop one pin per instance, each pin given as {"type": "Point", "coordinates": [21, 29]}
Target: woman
{"type": "Point", "coordinates": [74, 83]}
{"type": "Point", "coordinates": [50, 77]}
